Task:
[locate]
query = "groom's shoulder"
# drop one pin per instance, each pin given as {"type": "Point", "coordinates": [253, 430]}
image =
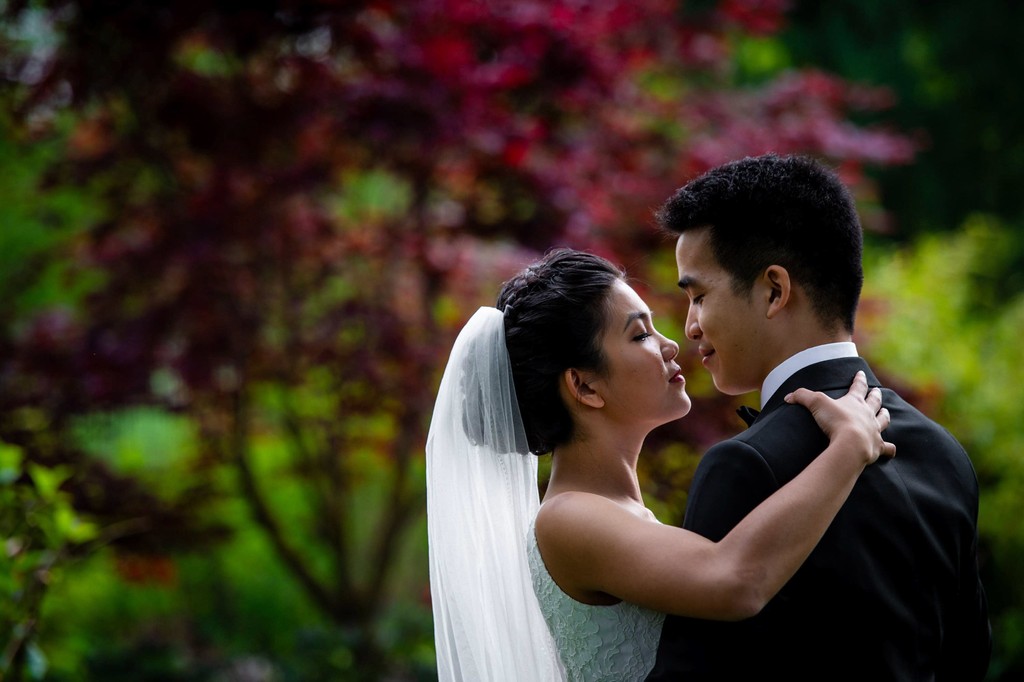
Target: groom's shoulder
{"type": "Point", "coordinates": [786, 439]}
{"type": "Point", "coordinates": [785, 422]}
{"type": "Point", "coordinates": [913, 423]}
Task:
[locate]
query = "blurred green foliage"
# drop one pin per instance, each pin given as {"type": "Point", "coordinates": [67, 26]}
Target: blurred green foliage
{"type": "Point", "coordinates": [40, 529]}
{"type": "Point", "coordinates": [932, 321]}
{"type": "Point", "coordinates": [35, 222]}
{"type": "Point", "coordinates": [952, 67]}
{"type": "Point", "coordinates": [232, 610]}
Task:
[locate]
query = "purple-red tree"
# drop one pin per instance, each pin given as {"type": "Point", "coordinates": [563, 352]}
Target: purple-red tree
{"type": "Point", "coordinates": [305, 199]}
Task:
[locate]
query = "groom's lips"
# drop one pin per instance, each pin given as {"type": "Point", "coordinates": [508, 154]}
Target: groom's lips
{"type": "Point", "coordinates": [705, 353]}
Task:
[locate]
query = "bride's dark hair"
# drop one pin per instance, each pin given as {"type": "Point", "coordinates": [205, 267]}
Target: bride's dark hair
{"type": "Point", "coordinates": [555, 313]}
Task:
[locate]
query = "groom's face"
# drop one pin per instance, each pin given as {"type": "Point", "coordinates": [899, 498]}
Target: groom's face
{"type": "Point", "coordinates": [727, 326]}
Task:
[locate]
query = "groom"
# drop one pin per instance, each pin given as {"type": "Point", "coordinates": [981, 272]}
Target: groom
{"type": "Point", "coordinates": [769, 255]}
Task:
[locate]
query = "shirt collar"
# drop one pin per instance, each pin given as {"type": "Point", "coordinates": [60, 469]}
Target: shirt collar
{"type": "Point", "coordinates": [806, 357]}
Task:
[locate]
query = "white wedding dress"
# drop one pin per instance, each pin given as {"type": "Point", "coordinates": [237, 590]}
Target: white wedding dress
{"type": "Point", "coordinates": [615, 643]}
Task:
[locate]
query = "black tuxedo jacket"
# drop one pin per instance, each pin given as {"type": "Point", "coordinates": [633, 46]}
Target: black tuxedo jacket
{"type": "Point", "coordinates": [890, 593]}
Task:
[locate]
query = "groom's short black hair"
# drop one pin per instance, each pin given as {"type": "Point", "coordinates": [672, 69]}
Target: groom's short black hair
{"type": "Point", "coordinates": [787, 210]}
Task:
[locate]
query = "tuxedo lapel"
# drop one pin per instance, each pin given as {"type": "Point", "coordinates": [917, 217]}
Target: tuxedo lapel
{"type": "Point", "coordinates": [828, 375]}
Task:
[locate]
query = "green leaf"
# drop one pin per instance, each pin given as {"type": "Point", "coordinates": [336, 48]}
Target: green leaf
{"type": "Point", "coordinates": [70, 526]}
{"type": "Point", "coordinates": [48, 481]}
{"type": "Point", "coordinates": [10, 463]}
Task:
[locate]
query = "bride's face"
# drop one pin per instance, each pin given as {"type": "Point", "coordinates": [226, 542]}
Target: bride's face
{"type": "Point", "coordinates": [641, 384]}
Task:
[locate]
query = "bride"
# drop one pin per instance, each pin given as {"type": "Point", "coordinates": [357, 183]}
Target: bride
{"type": "Point", "coordinates": [576, 588]}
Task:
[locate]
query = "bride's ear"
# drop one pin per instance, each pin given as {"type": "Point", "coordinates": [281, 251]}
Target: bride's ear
{"type": "Point", "coordinates": [578, 386]}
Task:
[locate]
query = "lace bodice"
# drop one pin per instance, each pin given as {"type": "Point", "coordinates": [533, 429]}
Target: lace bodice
{"type": "Point", "coordinates": [596, 643]}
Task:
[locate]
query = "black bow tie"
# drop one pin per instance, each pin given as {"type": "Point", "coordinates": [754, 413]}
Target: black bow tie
{"type": "Point", "coordinates": [747, 414]}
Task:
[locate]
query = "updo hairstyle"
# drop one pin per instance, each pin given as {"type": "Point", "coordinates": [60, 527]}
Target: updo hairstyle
{"type": "Point", "coordinates": [555, 312]}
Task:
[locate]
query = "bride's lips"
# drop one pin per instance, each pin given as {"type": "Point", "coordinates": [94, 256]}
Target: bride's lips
{"type": "Point", "coordinates": [677, 377]}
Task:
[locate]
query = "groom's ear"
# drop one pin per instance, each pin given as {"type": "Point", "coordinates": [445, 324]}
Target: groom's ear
{"type": "Point", "coordinates": [777, 288]}
{"type": "Point", "coordinates": [577, 384]}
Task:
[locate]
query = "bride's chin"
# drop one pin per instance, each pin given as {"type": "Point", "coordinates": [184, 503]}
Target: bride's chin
{"type": "Point", "coordinates": [681, 412]}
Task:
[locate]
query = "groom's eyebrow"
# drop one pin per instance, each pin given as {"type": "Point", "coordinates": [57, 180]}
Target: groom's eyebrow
{"type": "Point", "coordinates": [686, 281]}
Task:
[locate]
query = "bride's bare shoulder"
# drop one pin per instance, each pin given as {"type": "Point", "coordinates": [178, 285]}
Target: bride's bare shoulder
{"type": "Point", "coordinates": [573, 503]}
{"type": "Point", "coordinates": [582, 517]}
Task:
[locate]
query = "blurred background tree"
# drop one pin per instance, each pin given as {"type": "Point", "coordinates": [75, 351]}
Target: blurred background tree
{"type": "Point", "coordinates": [238, 242]}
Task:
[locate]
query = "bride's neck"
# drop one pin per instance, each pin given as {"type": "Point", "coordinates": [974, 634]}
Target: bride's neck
{"type": "Point", "coordinates": [606, 469]}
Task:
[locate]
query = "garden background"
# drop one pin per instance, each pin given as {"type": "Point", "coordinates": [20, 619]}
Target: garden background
{"type": "Point", "coordinates": [237, 243]}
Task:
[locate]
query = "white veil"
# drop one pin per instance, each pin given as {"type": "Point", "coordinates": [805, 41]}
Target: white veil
{"type": "Point", "coordinates": [481, 501]}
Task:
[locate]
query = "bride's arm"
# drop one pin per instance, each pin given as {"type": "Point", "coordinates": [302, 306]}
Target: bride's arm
{"type": "Point", "coordinates": [595, 549]}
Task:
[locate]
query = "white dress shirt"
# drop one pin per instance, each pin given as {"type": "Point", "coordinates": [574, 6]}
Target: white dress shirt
{"type": "Point", "coordinates": [808, 356]}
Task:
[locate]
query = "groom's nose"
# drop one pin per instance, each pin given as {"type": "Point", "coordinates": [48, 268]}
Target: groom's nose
{"type": "Point", "coordinates": [669, 349]}
{"type": "Point", "coordinates": [693, 331]}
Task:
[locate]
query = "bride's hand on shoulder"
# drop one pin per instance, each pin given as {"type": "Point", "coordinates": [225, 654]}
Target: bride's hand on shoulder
{"type": "Point", "coordinates": [858, 416]}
